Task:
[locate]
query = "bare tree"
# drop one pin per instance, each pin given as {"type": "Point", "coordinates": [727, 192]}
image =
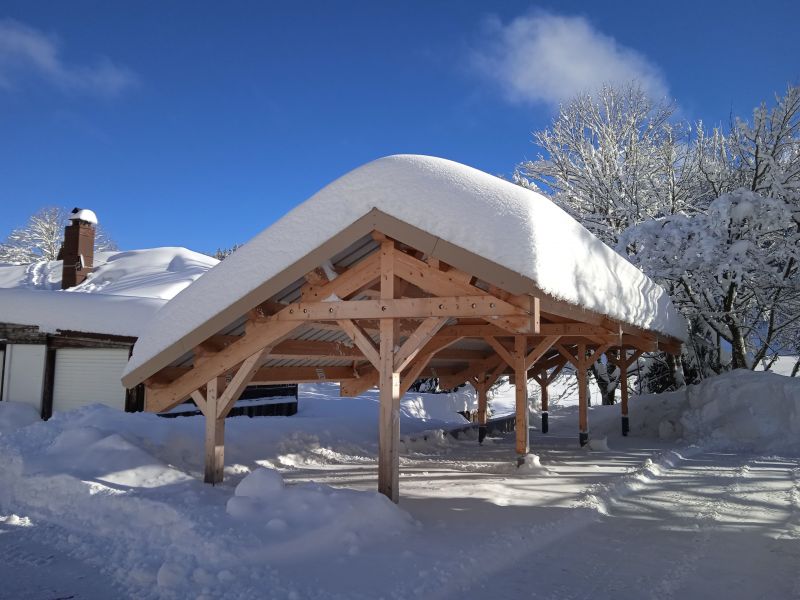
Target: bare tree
{"type": "Point", "coordinates": [42, 236]}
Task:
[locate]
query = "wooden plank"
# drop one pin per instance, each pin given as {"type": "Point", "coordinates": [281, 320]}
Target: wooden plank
{"type": "Point", "coordinates": [267, 375]}
{"type": "Point", "coordinates": [540, 350]}
{"type": "Point", "coordinates": [259, 335]}
{"type": "Point", "coordinates": [416, 341]}
{"type": "Point", "coordinates": [470, 330]}
{"type": "Point", "coordinates": [239, 382]}
{"type": "Point", "coordinates": [583, 401]}
{"type": "Point", "coordinates": [215, 436]}
{"type": "Point", "coordinates": [355, 387]}
{"type": "Point", "coordinates": [389, 383]}
{"type": "Point", "coordinates": [440, 283]}
{"type": "Point", "coordinates": [362, 340]}
{"type": "Point", "coordinates": [410, 308]}
{"type": "Point", "coordinates": [415, 369]}
{"type": "Point", "coordinates": [521, 393]}
{"type": "Point", "coordinates": [501, 350]}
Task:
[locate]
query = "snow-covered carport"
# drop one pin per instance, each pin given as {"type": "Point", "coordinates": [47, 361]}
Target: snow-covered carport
{"type": "Point", "coordinates": [406, 267]}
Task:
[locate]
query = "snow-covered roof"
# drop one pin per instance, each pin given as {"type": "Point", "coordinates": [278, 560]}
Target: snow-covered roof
{"type": "Point", "coordinates": [83, 214]}
{"type": "Point", "coordinates": [519, 231]}
{"type": "Point", "coordinates": [149, 273]}
{"type": "Point", "coordinates": [122, 293]}
{"type": "Point", "coordinates": [53, 311]}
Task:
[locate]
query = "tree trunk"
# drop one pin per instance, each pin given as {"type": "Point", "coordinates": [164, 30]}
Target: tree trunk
{"type": "Point", "coordinates": [607, 378]}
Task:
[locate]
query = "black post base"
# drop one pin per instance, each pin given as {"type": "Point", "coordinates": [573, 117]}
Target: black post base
{"type": "Point", "coordinates": [625, 425]}
{"type": "Point", "coordinates": [520, 461]}
{"type": "Point", "coordinates": [545, 424]}
{"type": "Point", "coordinates": [583, 438]}
{"type": "Point", "coordinates": [481, 433]}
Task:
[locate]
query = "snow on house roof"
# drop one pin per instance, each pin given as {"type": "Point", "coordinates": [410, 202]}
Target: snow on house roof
{"type": "Point", "coordinates": [54, 311]}
{"type": "Point", "coordinates": [122, 293]}
{"type": "Point", "coordinates": [150, 273]}
{"type": "Point", "coordinates": [514, 228]}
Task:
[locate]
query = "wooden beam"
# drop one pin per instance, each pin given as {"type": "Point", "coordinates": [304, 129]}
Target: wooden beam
{"type": "Point", "coordinates": [539, 350]}
{"type": "Point", "coordinates": [521, 392]}
{"type": "Point", "coordinates": [583, 401]}
{"type": "Point", "coordinates": [501, 350]}
{"type": "Point", "coordinates": [362, 340]}
{"type": "Point", "coordinates": [260, 335]}
{"type": "Point", "coordinates": [440, 283]}
{"type": "Point", "coordinates": [215, 435]}
{"type": "Point", "coordinates": [389, 383]}
{"type": "Point", "coordinates": [410, 308]}
{"type": "Point", "coordinates": [462, 331]}
{"type": "Point", "coordinates": [267, 375]}
{"type": "Point", "coordinates": [239, 382]}
{"type": "Point", "coordinates": [415, 342]}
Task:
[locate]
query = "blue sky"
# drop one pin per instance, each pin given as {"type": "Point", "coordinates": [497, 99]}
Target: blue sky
{"type": "Point", "coordinates": [193, 125]}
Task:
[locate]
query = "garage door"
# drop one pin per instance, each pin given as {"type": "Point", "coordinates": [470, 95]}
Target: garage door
{"type": "Point", "coordinates": [87, 376]}
{"type": "Point", "coordinates": [24, 373]}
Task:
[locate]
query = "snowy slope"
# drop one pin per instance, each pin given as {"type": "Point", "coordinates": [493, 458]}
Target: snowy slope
{"type": "Point", "coordinates": [519, 230]}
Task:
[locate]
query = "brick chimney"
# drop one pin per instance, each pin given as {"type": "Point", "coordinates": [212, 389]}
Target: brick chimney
{"type": "Point", "coordinates": [78, 249]}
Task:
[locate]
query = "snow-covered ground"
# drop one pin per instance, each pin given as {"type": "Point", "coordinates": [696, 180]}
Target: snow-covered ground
{"type": "Point", "coordinates": [703, 499]}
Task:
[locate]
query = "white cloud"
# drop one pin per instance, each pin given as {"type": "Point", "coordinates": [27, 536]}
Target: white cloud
{"type": "Point", "coordinates": [26, 52]}
{"type": "Point", "coordinates": [543, 57]}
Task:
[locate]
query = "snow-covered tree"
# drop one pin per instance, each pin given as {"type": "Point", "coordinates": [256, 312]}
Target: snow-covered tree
{"type": "Point", "coordinates": [613, 159]}
{"type": "Point", "coordinates": [42, 236]}
{"type": "Point", "coordinates": [734, 266]}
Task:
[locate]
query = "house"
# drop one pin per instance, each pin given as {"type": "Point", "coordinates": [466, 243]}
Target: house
{"type": "Point", "coordinates": [67, 326]}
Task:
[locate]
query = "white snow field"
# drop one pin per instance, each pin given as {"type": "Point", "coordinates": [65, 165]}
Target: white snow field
{"type": "Point", "coordinates": [701, 500]}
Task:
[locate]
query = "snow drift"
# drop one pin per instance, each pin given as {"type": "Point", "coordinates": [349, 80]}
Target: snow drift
{"type": "Point", "coordinates": [741, 410]}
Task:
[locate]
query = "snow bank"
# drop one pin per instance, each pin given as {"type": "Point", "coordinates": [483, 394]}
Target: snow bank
{"type": "Point", "coordinates": [741, 410]}
{"type": "Point", "coordinates": [520, 230]}
{"type": "Point", "coordinates": [14, 415]}
{"type": "Point", "coordinates": [301, 518]}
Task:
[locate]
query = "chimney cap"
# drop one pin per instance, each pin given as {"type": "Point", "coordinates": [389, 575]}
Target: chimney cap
{"type": "Point", "coordinates": [83, 214]}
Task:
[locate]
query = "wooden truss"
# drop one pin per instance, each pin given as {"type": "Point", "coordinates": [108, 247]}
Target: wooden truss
{"type": "Point", "coordinates": [400, 315]}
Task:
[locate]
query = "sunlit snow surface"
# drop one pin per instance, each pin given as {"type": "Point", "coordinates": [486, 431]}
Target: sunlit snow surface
{"type": "Point", "coordinates": [97, 503]}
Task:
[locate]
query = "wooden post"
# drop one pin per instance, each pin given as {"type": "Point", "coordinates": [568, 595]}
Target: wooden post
{"type": "Point", "coordinates": [215, 435]}
{"type": "Point", "coordinates": [521, 389]}
{"type": "Point", "coordinates": [623, 383]}
{"type": "Point", "coordinates": [389, 382]}
{"type": "Point", "coordinates": [543, 382]}
{"type": "Point", "coordinates": [583, 404]}
{"type": "Point", "coordinates": [483, 402]}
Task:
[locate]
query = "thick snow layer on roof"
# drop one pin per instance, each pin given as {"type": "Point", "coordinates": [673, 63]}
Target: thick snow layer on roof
{"type": "Point", "coordinates": [502, 222]}
{"type": "Point", "coordinates": [52, 310]}
{"type": "Point", "coordinates": [150, 273]}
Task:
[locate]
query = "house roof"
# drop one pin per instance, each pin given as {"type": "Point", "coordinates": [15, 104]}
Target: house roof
{"type": "Point", "coordinates": [123, 292]}
{"type": "Point", "coordinates": [509, 236]}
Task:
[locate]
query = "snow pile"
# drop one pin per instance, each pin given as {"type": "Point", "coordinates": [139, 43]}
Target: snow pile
{"type": "Point", "coordinates": [15, 415]}
{"type": "Point", "coordinates": [301, 518]}
{"type": "Point", "coordinates": [151, 273]}
{"type": "Point", "coordinates": [741, 410]}
{"type": "Point", "coordinates": [520, 230]}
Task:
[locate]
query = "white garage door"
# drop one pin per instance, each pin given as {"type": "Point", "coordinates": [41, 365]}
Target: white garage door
{"type": "Point", "coordinates": [87, 376]}
{"type": "Point", "coordinates": [24, 373]}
